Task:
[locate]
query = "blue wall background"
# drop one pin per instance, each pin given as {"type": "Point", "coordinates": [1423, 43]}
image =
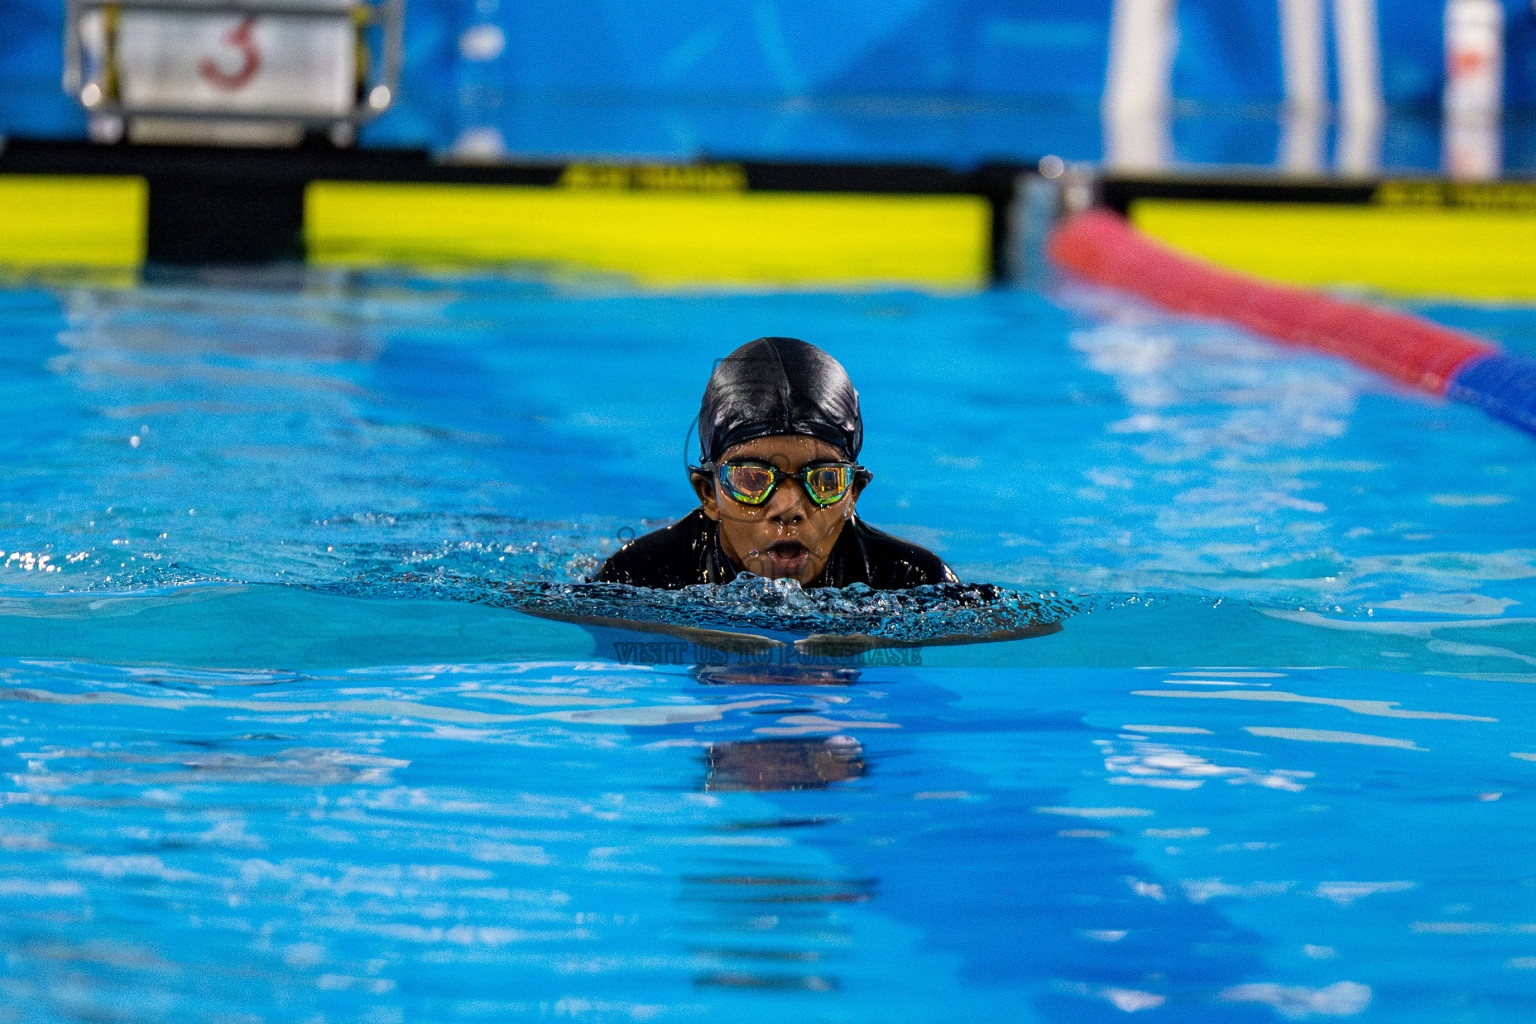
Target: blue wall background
{"type": "Point", "coordinates": [952, 80]}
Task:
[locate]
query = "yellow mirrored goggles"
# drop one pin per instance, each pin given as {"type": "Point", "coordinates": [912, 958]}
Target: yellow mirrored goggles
{"type": "Point", "coordinates": [753, 483]}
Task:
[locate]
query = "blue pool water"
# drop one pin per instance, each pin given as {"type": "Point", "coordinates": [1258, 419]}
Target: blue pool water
{"type": "Point", "coordinates": [278, 746]}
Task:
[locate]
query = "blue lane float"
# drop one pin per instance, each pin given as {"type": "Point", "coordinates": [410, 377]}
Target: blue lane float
{"type": "Point", "coordinates": [1501, 385]}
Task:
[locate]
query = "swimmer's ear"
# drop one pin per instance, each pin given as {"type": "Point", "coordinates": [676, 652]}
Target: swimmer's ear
{"type": "Point", "coordinates": [861, 480]}
{"type": "Point", "coordinates": [704, 487]}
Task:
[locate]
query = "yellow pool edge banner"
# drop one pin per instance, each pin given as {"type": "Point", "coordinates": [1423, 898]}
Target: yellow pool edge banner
{"type": "Point", "coordinates": [659, 237]}
{"type": "Point", "coordinates": [1452, 249]}
{"type": "Point", "coordinates": [672, 226]}
{"type": "Point", "coordinates": [65, 220]}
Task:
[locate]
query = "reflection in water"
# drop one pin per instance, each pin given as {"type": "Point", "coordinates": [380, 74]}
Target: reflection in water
{"type": "Point", "coordinates": [786, 982]}
{"type": "Point", "coordinates": [796, 915]}
{"type": "Point", "coordinates": [793, 914]}
{"type": "Point", "coordinates": [781, 764]}
{"type": "Point", "coordinates": [767, 765]}
{"type": "Point", "coordinates": [775, 675]}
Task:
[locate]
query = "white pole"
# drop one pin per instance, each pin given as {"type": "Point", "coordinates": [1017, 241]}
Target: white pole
{"type": "Point", "coordinates": [1301, 54]}
{"type": "Point", "coordinates": [1302, 49]}
{"type": "Point", "coordinates": [1474, 57]}
{"type": "Point", "coordinates": [1136, 89]}
{"type": "Point", "coordinates": [1474, 88]}
{"type": "Point", "coordinates": [1360, 102]}
{"type": "Point", "coordinates": [1354, 24]}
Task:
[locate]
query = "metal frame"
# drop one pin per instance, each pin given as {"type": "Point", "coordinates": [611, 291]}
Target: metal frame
{"type": "Point", "coordinates": [377, 94]}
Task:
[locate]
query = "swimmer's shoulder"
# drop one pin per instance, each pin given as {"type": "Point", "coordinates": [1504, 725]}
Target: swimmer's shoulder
{"type": "Point", "coordinates": [671, 557]}
{"type": "Point", "coordinates": [897, 564]}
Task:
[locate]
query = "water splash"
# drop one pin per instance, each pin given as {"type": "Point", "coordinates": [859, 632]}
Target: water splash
{"type": "Point", "coordinates": [751, 603]}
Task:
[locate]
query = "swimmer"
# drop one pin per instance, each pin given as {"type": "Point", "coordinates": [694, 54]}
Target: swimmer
{"type": "Point", "coordinates": [778, 483]}
{"type": "Point", "coordinates": [778, 486]}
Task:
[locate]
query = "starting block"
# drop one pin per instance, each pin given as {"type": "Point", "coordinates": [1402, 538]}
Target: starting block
{"type": "Point", "coordinates": [247, 72]}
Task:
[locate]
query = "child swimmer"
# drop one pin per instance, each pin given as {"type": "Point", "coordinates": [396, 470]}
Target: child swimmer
{"type": "Point", "coordinates": [778, 486]}
{"type": "Point", "coordinates": [778, 489]}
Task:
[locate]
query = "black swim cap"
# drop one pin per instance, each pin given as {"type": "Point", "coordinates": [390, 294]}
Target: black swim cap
{"type": "Point", "coordinates": [777, 386]}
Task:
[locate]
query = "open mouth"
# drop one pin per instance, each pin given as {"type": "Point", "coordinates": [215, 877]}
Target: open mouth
{"type": "Point", "coordinates": [788, 557]}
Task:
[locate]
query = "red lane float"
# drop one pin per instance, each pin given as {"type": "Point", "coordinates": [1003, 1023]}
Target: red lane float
{"type": "Point", "coordinates": [1102, 247]}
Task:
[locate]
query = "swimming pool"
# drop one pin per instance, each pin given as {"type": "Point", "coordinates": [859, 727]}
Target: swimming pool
{"type": "Point", "coordinates": [272, 752]}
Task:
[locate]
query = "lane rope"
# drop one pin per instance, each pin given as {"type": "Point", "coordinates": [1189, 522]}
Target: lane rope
{"type": "Point", "coordinates": [1104, 248]}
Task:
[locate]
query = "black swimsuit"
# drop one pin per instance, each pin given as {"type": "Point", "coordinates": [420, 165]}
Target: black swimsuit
{"type": "Point", "coordinates": [688, 552]}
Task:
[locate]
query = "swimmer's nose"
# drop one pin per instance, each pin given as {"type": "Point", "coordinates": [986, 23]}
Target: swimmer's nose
{"type": "Point", "coordinates": [789, 506]}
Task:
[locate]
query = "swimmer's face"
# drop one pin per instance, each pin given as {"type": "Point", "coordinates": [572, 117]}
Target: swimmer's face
{"type": "Point", "coordinates": [789, 536]}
